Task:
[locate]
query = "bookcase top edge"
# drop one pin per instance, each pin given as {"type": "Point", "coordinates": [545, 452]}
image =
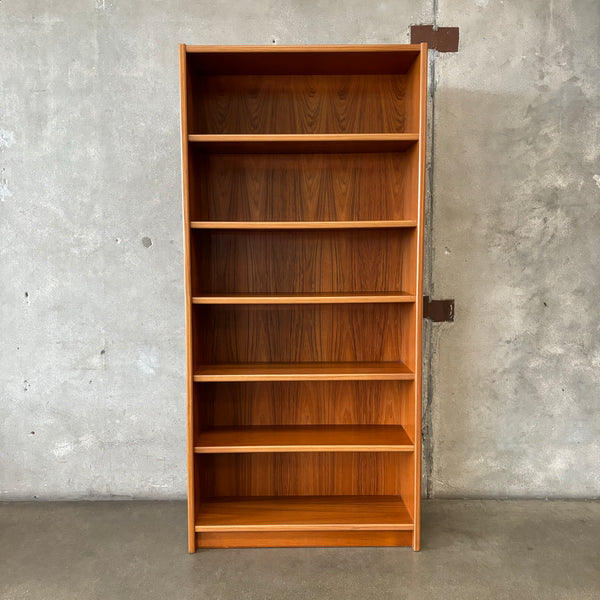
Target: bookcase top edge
{"type": "Point", "coordinates": [211, 49]}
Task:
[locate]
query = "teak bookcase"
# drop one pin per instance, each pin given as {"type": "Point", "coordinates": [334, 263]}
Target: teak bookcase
{"type": "Point", "coordinates": [303, 181]}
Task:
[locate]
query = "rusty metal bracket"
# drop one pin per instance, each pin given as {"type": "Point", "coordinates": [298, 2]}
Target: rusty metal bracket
{"type": "Point", "coordinates": [442, 39]}
{"type": "Point", "coordinates": [438, 311]}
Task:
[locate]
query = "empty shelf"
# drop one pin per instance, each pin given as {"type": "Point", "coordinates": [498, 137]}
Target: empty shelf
{"type": "Point", "coordinates": [305, 371]}
{"type": "Point", "coordinates": [407, 223]}
{"type": "Point", "coordinates": [300, 143]}
{"type": "Point", "coordinates": [304, 438]}
{"type": "Point", "coordinates": [306, 298]}
{"type": "Point", "coordinates": [303, 513]}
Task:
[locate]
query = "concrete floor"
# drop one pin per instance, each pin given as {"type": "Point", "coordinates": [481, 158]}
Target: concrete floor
{"type": "Point", "coordinates": [471, 549]}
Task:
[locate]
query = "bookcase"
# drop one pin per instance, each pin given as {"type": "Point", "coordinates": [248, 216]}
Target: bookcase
{"type": "Point", "coordinates": [303, 191]}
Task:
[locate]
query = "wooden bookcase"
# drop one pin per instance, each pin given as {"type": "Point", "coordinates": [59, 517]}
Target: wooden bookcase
{"type": "Point", "coordinates": [303, 184]}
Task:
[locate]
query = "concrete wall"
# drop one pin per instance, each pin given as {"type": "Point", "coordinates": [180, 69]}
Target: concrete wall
{"type": "Point", "coordinates": [516, 241]}
{"type": "Point", "coordinates": [91, 344]}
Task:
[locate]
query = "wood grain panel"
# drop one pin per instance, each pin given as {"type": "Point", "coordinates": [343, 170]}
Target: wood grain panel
{"type": "Point", "coordinates": [304, 438]}
{"type": "Point", "coordinates": [419, 73]}
{"type": "Point", "coordinates": [360, 298]}
{"type": "Point", "coordinates": [230, 104]}
{"type": "Point", "coordinates": [298, 539]}
{"type": "Point", "coordinates": [306, 340]}
{"type": "Point", "coordinates": [300, 187]}
{"type": "Point", "coordinates": [304, 371]}
{"type": "Point", "coordinates": [302, 143]}
{"type": "Point", "coordinates": [407, 411]}
{"type": "Point", "coordinates": [305, 474]}
{"type": "Point", "coordinates": [304, 513]}
{"type": "Point", "coordinates": [305, 261]}
{"type": "Point", "coordinates": [301, 333]}
{"type": "Point", "coordinates": [184, 86]}
{"type": "Point", "coordinates": [305, 403]}
{"type": "Point", "coordinates": [406, 475]}
{"type": "Point", "coordinates": [411, 182]}
{"type": "Point", "coordinates": [416, 92]}
{"type": "Point", "coordinates": [409, 336]}
{"type": "Point", "coordinates": [302, 224]}
{"type": "Point", "coordinates": [302, 60]}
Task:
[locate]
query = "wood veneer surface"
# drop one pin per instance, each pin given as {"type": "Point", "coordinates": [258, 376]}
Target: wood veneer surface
{"type": "Point", "coordinates": [304, 438]}
{"type": "Point", "coordinates": [237, 404]}
{"type": "Point", "coordinates": [304, 261]}
{"type": "Point", "coordinates": [303, 189]}
{"type": "Point", "coordinates": [305, 474]}
{"type": "Point", "coordinates": [298, 539]}
{"type": "Point", "coordinates": [305, 298]}
{"type": "Point", "coordinates": [265, 104]}
{"type": "Point", "coordinates": [300, 187]}
{"type": "Point", "coordinates": [277, 403]}
{"type": "Point", "coordinates": [304, 371]}
{"type": "Point", "coordinates": [307, 60]}
{"type": "Point", "coordinates": [312, 513]}
{"type": "Point", "coordinates": [329, 333]}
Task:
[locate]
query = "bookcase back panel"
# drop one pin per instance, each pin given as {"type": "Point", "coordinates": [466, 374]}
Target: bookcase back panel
{"type": "Point", "coordinates": [305, 403]}
{"type": "Point", "coordinates": [301, 61]}
{"type": "Point", "coordinates": [304, 474]}
{"type": "Point", "coordinates": [302, 187]}
{"type": "Point", "coordinates": [304, 261]}
{"type": "Point", "coordinates": [266, 104]}
{"type": "Point", "coordinates": [302, 333]}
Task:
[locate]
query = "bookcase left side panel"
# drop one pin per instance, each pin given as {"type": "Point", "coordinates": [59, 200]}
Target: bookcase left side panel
{"type": "Point", "coordinates": [184, 83]}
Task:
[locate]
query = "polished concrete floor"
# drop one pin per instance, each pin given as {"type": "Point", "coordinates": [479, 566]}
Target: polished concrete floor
{"type": "Point", "coordinates": [471, 549]}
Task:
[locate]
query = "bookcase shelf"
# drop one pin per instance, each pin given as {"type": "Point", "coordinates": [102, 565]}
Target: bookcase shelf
{"type": "Point", "coordinates": [304, 438]}
{"type": "Point", "coordinates": [306, 298]}
{"type": "Point", "coordinates": [302, 224]}
{"type": "Point", "coordinates": [318, 371]}
{"type": "Point", "coordinates": [303, 143]}
{"type": "Point", "coordinates": [303, 513]}
{"type": "Point", "coordinates": [303, 186]}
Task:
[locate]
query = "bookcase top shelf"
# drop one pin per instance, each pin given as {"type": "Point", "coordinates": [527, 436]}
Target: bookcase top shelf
{"type": "Point", "coordinates": [302, 60]}
{"type": "Point", "coordinates": [302, 49]}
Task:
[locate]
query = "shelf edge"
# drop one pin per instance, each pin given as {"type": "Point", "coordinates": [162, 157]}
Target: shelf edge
{"type": "Point", "coordinates": [307, 377]}
{"type": "Point", "coordinates": [400, 224]}
{"type": "Point", "coordinates": [308, 527]}
{"type": "Point", "coordinates": [266, 299]}
{"type": "Point", "coordinates": [209, 138]}
{"type": "Point", "coordinates": [304, 448]}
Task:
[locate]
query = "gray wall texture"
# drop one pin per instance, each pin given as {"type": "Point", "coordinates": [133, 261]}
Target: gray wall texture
{"type": "Point", "coordinates": [91, 296]}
